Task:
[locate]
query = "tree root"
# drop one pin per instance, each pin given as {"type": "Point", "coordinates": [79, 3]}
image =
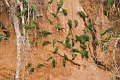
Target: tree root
{"type": "Point", "coordinates": [77, 64]}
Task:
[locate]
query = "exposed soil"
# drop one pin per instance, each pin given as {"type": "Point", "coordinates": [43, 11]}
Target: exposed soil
{"type": "Point", "coordinates": [88, 69]}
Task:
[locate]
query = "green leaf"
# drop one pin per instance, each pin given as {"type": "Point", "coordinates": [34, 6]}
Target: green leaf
{"type": "Point", "coordinates": [49, 59]}
{"type": "Point", "coordinates": [110, 3]}
{"type": "Point", "coordinates": [56, 50]}
{"type": "Point", "coordinates": [84, 54]}
{"type": "Point", "coordinates": [64, 11]}
{"type": "Point", "coordinates": [24, 11]}
{"type": "Point", "coordinates": [75, 50]}
{"type": "Point", "coordinates": [54, 63]}
{"type": "Point", "coordinates": [54, 41]}
{"type": "Point", "coordinates": [82, 14]}
{"type": "Point", "coordinates": [34, 7]}
{"type": "Point", "coordinates": [40, 65]}
{"type": "Point", "coordinates": [68, 45]}
{"type": "Point", "coordinates": [70, 24]}
{"type": "Point", "coordinates": [59, 27]}
{"type": "Point", "coordinates": [27, 27]}
{"type": "Point", "coordinates": [19, 15]}
{"type": "Point", "coordinates": [46, 43]}
{"type": "Point", "coordinates": [34, 24]}
{"type": "Point", "coordinates": [74, 56]}
{"type": "Point", "coordinates": [45, 33]}
{"type": "Point", "coordinates": [24, 1]}
{"type": "Point", "coordinates": [50, 1]}
{"type": "Point", "coordinates": [83, 46]}
{"type": "Point", "coordinates": [76, 23]}
{"type": "Point", "coordinates": [59, 5]}
{"type": "Point", "coordinates": [51, 22]}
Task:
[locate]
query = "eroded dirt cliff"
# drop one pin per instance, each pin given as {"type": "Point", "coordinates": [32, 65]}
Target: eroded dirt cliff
{"type": "Point", "coordinates": [88, 69]}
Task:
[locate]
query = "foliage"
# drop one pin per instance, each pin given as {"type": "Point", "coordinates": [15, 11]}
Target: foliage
{"type": "Point", "coordinates": [34, 8]}
{"type": "Point", "coordinates": [69, 42]}
{"type": "Point", "coordinates": [110, 2]}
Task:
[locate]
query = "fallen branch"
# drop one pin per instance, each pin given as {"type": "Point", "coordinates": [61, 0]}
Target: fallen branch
{"type": "Point", "coordinates": [68, 59]}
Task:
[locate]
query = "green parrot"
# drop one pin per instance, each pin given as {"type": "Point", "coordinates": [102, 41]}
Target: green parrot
{"type": "Point", "coordinates": [50, 1]}
{"type": "Point", "coordinates": [59, 5]}
{"type": "Point", "coordinates": [82, 14]}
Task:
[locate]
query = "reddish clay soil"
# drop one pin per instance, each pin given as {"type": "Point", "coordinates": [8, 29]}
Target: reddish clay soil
{"type": "Point", "coordinates": [88, 69]}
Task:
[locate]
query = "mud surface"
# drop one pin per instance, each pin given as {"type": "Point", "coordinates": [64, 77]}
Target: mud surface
{"type": "Point", "coordinates": [88, 69]}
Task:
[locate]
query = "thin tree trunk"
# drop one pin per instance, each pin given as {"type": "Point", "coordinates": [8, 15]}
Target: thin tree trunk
{"type": "Point", "coordinates": [15, 21]}
{"type": "Point", "coordinates": [18, 41]}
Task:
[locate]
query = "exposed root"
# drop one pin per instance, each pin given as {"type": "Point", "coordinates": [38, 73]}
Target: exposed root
{"type": "Point", "coordinates": [77, 64]}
